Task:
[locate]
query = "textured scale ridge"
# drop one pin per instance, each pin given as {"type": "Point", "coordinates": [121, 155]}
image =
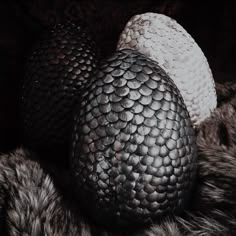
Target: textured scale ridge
{"type": "Point", "coordinates": [61, 62]}
{"type": "Point", "coordinates": [165, 41]}
{"type": "Point", "coordinates": [134, 147]}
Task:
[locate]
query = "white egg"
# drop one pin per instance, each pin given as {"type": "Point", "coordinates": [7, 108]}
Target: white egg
{"type": "Point", "coordinates": [164, 40]}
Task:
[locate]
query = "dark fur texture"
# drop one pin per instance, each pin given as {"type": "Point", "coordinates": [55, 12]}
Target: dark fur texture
{"type": "Point", "coordinates": [32, 204]}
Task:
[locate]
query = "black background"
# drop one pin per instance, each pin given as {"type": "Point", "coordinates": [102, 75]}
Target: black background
{"type": "Point", "coordinates": [211, 23]}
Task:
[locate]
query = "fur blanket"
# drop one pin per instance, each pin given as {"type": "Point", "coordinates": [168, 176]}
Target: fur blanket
{"type": "Point", "coordinates": [35, 201]}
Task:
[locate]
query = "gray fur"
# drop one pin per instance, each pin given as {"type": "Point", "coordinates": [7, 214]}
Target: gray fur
{"type": "Point", "coordinates": [33, 205]}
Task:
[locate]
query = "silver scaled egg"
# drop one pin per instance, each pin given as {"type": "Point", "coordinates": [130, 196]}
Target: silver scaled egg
{"type": "Point", "coordinates": [134, 147]}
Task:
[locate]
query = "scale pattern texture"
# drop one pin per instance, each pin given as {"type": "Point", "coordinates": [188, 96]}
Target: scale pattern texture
{"type": "Point", "coordinates": [165, 41]}
{"type": "Point", "coordinates": [134, 150]}
{"type": "Point", "coordinates": [57, 69]}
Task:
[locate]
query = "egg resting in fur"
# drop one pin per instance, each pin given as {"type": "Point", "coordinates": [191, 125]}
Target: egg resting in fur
{"type": "Point", "coordinates": [134, 148]}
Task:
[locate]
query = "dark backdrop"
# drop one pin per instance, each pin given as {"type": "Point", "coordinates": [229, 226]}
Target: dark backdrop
{"type": "Point", "coordinates": [211, 23]}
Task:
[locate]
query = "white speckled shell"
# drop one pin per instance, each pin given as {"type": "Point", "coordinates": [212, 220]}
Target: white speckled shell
{"type": "Point", "coordinates": [165, 41]}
